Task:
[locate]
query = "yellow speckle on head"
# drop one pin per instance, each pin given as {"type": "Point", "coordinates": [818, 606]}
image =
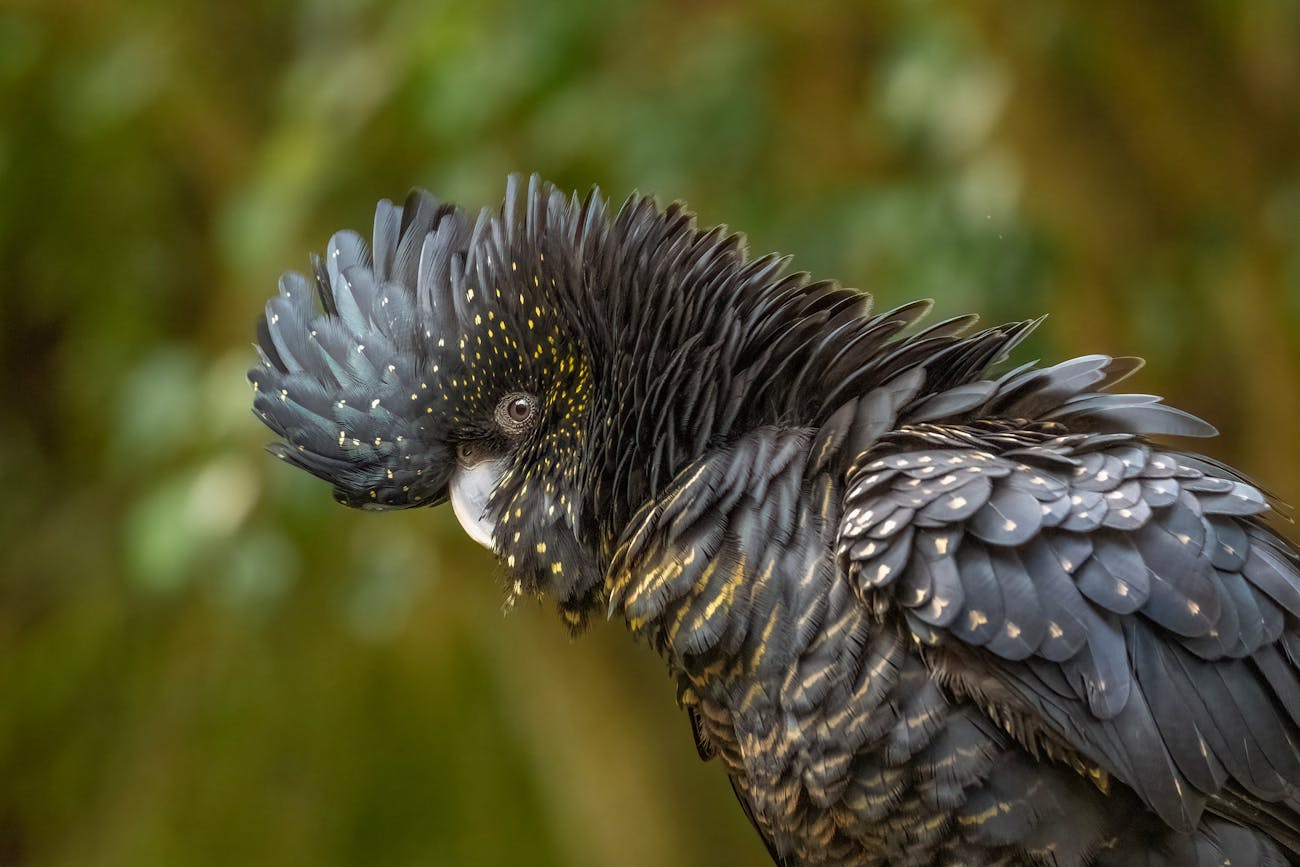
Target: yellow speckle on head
{"type": "Point", "coordinates": [557, 568]}
{"type": "Point", "coordinates": [541, 547]}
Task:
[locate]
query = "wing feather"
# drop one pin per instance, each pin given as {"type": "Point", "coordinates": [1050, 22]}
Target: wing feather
{"type": "Point", "coordinates": [1128, 602]}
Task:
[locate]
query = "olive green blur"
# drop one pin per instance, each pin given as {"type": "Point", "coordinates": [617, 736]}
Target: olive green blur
{"type": "Point", "coordinates": [205, 661]}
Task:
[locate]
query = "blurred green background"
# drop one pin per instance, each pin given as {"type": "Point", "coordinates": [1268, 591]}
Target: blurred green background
{"type": "Point", "coordinates": [203, 660]}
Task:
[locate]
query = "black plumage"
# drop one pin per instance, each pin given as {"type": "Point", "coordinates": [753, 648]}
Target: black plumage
{"type": "Point", "coordinates": [923, 611]}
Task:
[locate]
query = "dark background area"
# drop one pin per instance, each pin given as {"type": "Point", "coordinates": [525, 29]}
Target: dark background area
{"type": "Point", "coordinates": [204, 660]}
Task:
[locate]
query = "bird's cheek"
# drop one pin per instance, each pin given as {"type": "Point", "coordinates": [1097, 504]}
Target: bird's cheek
{"type": "Point", "coordinates": [471, 487]}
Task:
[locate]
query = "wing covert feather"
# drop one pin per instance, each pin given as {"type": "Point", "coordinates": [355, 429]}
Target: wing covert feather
{"type": "Point", "coordinates": [1128, 603]}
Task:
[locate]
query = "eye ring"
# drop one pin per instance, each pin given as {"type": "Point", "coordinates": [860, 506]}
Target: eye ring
{"type": "Point", "coordinates": [516, 412]}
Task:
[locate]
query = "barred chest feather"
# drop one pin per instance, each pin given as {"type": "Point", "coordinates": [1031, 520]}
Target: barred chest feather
{"type": "Point", "coordinates": [856, 734]}
{"type": "Point", "coordinates": [840, 740]}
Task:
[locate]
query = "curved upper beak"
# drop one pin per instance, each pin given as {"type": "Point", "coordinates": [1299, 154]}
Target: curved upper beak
{"type": "Point", "coordinates": [471, 487]}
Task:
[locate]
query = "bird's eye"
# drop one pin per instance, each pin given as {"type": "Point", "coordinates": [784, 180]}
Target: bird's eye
{"type": "Point", "coordinates": [515, 412]}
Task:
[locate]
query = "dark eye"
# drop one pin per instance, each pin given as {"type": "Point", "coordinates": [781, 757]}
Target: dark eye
{"type": "Point", "coordinates": [520, 409]}
{"type": "Point", "coordinates": [515, 412]}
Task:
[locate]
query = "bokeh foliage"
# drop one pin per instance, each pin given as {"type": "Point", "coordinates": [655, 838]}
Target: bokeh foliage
{"type": "Point", "coordinates": [204, 661]}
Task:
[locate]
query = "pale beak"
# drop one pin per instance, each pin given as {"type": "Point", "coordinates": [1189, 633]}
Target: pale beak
{"type": "Point", "coordinates": [471, 487]}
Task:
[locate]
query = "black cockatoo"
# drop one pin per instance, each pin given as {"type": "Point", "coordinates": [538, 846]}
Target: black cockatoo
{"type": "Point", "coordinates": [924, 608]}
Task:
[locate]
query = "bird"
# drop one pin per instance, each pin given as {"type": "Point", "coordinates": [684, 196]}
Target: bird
{"type": "Point", "coordinates": [923, 604]}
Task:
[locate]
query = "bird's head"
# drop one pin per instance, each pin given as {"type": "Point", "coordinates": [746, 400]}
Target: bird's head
{"type": "Point", "coordinates": [544, 367]}
{"type": "Point", "coordinates": [450, 359]}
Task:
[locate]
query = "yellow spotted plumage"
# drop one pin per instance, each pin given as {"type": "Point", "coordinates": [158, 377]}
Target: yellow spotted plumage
{"type": "Point", "coordinates": [921, 609]}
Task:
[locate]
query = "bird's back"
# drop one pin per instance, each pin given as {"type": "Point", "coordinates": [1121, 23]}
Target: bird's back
{"type": "Point", "coordinates": [810, 598]}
